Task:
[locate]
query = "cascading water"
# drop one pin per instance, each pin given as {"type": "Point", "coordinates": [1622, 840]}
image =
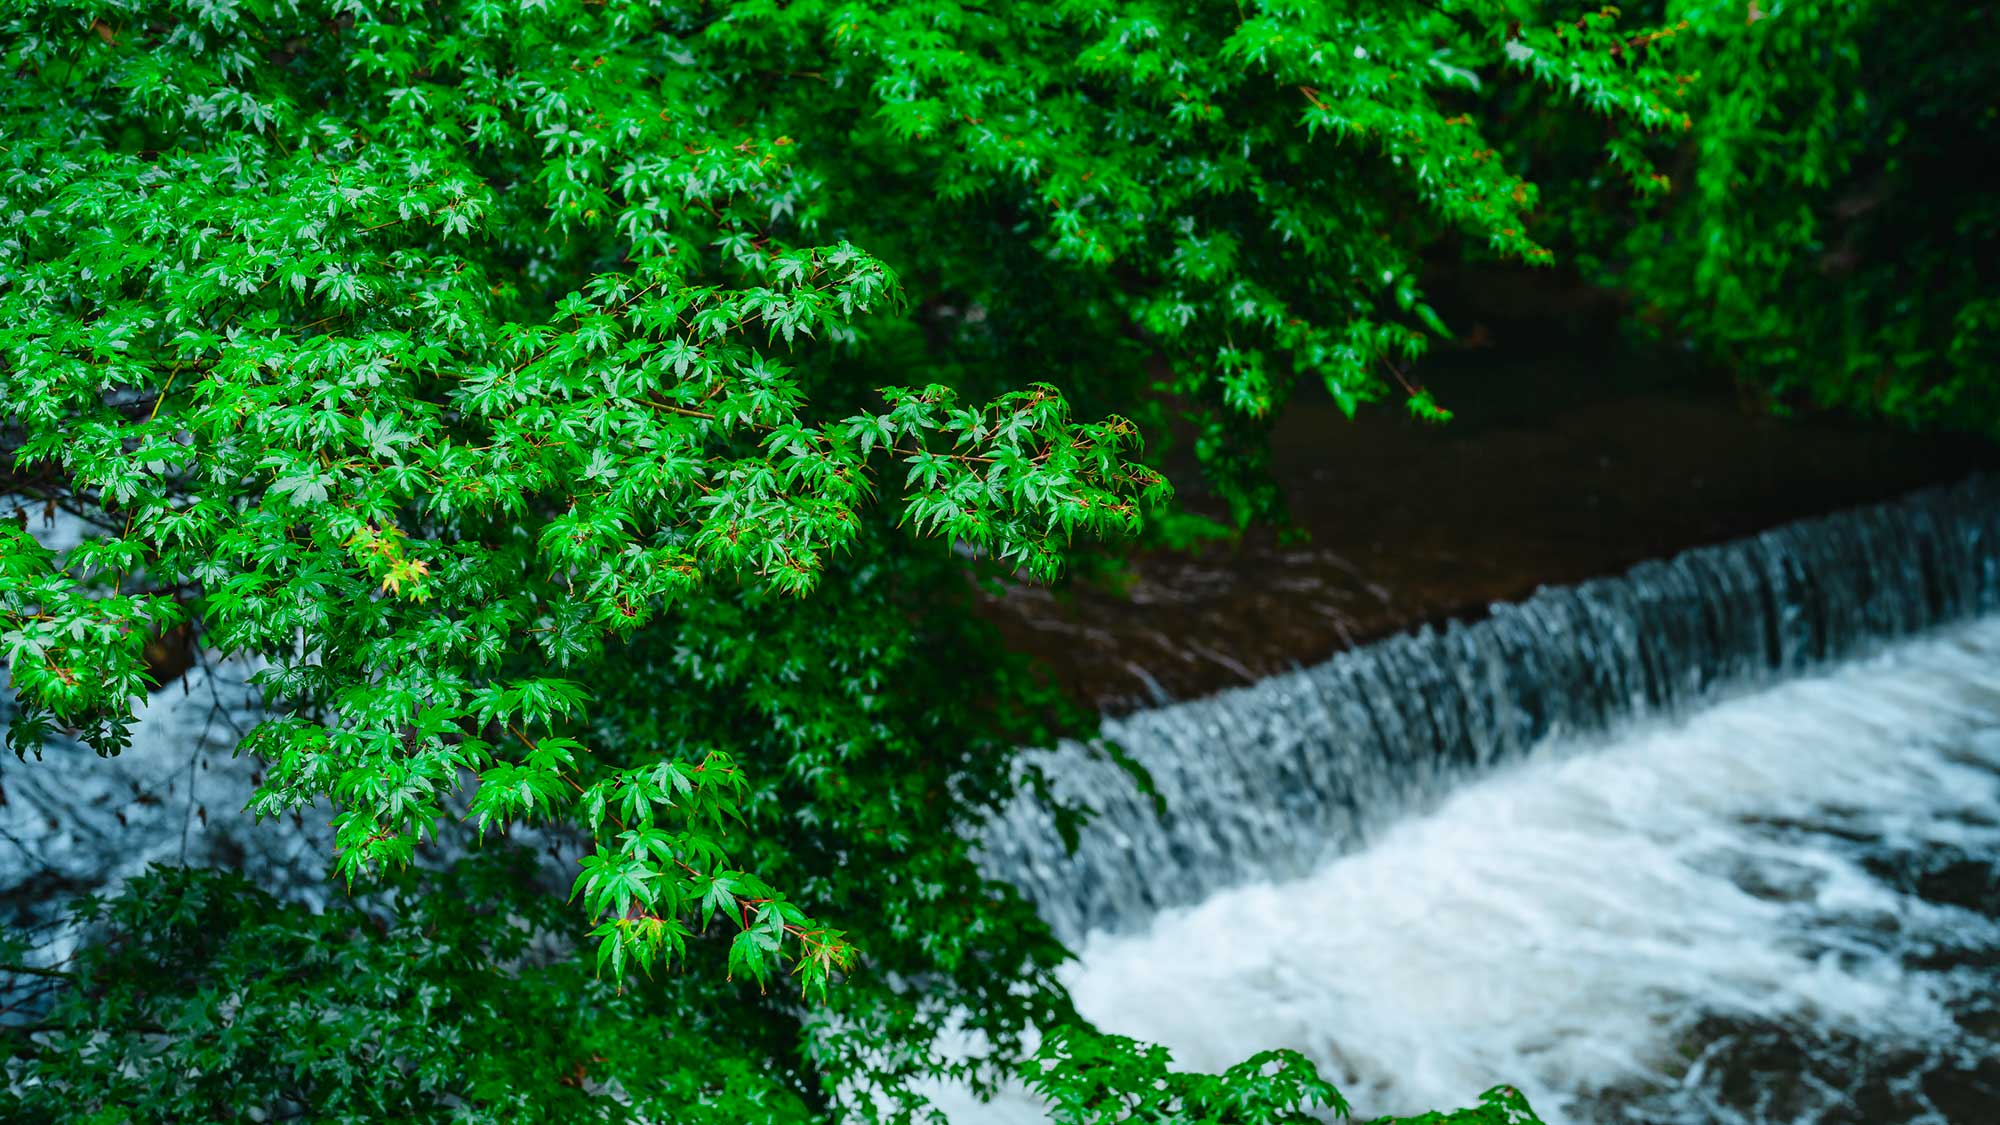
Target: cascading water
{"type": "Point", "coordinates": [1783, 908]}
{"type": "Point", "coordinates": [1269, 780]}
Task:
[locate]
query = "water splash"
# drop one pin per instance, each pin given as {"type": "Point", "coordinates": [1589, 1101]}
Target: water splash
{"type": "Point", "coordinates": [1785, 909]}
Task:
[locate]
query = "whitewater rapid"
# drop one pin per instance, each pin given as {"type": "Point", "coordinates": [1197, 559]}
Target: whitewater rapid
{"type": "Point", "coordinates": [1781, 908]}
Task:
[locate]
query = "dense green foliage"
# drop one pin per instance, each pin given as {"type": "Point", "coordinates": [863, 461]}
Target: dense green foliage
{"type": "Point", "coordinates": [1830, 236]}
{"type": "Point", "coordinates": [544, 393]}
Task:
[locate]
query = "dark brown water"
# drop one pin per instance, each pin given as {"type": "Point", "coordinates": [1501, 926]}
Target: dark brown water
{"type": "Point", "coordinates": [1570, 457]}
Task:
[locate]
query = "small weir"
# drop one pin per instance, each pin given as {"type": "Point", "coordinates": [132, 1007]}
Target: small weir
{"type": "Point", "coordinates": [1269, 780]}
{"type": "Point", "coordinates": [1716, 841]}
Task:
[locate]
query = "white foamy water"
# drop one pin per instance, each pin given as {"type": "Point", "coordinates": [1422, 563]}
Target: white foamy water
{"type": "Point", "coordinates": [74, 822]}
{"type": "Point", "coordinates": [1771, 911]}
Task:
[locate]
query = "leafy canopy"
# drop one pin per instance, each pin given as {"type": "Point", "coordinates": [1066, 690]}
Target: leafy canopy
{"type": "Point", "coordinates": [535, 392]}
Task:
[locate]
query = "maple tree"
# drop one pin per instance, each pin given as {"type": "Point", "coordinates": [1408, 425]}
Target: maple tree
{"type": "Point", "coordinates": [587, 415]}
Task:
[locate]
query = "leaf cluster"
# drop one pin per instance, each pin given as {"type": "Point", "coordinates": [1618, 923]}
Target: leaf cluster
{"type": "Point", "coordinates": [445, 997]}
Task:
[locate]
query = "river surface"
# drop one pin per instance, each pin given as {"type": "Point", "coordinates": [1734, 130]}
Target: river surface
{"type": "Point", "coordinates": [1560, 465]}
{"type": "Point", "coordinates": [1715, 841]}
{"type": "Point", "coordinates": [1785, 908]}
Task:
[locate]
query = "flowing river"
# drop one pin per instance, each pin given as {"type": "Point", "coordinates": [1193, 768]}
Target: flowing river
{"type": "Point", "coordinates": [1717, 841]}
{"type": "Point", "coordinates": [1714, 842]}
